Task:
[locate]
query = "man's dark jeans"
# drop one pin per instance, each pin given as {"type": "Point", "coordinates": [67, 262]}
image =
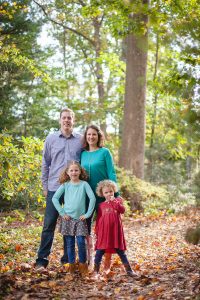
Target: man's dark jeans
{"type": "Point", "coordinates": [50, 219]}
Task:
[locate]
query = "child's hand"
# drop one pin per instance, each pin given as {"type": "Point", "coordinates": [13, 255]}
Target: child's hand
{"type": "Point", "coordinates": [82, 218]}
{"type": "Point", "coordinates": [122, 199]}
{"type": "Point", "coordinates": [112, 198]}
{"type": "Point", "coordinates": [66, 217]}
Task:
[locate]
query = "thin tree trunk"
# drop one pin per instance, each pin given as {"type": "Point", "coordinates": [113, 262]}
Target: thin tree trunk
{"type": "Point", "coordinates": [189, 166]}
{"type": "Point", "coordinates": [123, 58]}
{"type": "Point", "coordinates": [99, 69]}
{"type": "Point", "coordinates": [156, 94]}
{"type": "Point", "coordinates": [64, 52]}
{"type": "Point", "coordinates": [155, 101]}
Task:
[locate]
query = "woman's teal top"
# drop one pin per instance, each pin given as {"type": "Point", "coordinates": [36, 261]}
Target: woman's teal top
{"type": "Point", "coordinates": [99, 166]}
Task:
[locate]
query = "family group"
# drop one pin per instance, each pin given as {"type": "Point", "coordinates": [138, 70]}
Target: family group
{"type": "Point", "coordinates": [79, 180]}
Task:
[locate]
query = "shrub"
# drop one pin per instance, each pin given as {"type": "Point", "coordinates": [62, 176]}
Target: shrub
{"type": "Point", "coordinates": [140, 194]}
{"type": "Point", "coordinates": [151, 199]}
{"type": "Point", "coordinates": [20, 171]}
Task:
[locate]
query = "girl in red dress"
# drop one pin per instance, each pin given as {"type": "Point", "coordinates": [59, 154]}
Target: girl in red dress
{"type": "Point", "coordinates": [109, 229]}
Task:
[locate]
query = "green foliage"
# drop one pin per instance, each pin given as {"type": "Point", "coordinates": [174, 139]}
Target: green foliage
{"type": "Point", "coordinates": [155, 199]}
{"type": "Point", "coordinates": [17, 25]}
{"type": "Point", "coordinates": [195, 186]}
{"type": "Point", "coordinates": [149, 194]}
{"type": "Point", "coordinates": [20, 171]}
{"type": "Point", "coordinates": [136, 185]}
{"type": "Point", "coordinates": [29, 105]}
{"type": "Point", "coordinates": [22, 67]}
{"type": "Point", "coordinates": [177, 200]}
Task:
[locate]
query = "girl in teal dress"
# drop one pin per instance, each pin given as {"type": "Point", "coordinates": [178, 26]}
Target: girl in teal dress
{"type": "Point", "coordinates": [98, 162]}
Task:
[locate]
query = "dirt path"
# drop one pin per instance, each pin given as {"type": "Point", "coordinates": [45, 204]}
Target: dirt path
{"type": "Point", "coordinates": [167, 266]}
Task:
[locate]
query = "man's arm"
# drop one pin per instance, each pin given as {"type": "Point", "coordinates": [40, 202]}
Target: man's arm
{"type": "Point", "coordinates": [46, 162]}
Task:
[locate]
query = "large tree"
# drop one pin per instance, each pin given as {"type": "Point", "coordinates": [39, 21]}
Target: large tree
{"type": "Point", "coordinates": [133, 133]}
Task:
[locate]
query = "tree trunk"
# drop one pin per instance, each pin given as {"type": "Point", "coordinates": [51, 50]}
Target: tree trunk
{"type": "Point", "coordinates": [189, 166]}
{"type": "Point", "coordinates": [133, 137]}
{"type": "Point", "coordinates": [155, 101]}
{"type": "Point", "coordinates": [99, 70]}
{"type": "Point", "coordinates": [64, 52]}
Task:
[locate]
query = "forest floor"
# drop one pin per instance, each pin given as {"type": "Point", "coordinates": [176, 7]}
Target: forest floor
{"type": "Point", "coordinates": [167, 266]}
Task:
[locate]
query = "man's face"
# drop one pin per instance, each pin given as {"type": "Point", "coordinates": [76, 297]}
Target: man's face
{"type": "Point", "coordinates": [66, 121]}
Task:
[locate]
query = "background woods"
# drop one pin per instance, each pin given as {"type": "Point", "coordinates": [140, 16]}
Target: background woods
{"type": "Point", "coordinates": [130, 66]}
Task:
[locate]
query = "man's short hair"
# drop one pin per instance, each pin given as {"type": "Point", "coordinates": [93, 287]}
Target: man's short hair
{"type": "Point", "coordinates": [67, 110]}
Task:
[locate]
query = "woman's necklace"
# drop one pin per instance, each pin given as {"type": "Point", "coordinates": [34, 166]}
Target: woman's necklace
{"type": "Point", "coordinates": [91, 158]}
{"type": "Point", "coordinates": [90, 161]}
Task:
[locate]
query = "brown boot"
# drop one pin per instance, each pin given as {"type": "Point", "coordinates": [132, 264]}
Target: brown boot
{"type": "Point", "coordinates": [72, 268]}
{"type": "Point", "coordinates": [83, 269]}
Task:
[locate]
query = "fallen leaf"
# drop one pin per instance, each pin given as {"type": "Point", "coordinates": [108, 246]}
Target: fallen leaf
{"type": "Point", "coordinates": [18, 247]}
{"type": "Point", "coordinates": [68, 277]}
{"type": "Point", "coordinates": [141, 297]}
{"type": "Point", "coordinates": [25, 267]}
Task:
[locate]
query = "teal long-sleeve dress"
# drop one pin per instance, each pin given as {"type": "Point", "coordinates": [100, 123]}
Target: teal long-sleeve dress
{"type": "Point", "coordinates": [99, 166]}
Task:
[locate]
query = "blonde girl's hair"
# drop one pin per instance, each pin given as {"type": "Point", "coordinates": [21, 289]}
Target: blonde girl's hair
{"type": "Point", "coordinates": [105, 183]}
{"type": "Point", "coordinates": [64, 177]}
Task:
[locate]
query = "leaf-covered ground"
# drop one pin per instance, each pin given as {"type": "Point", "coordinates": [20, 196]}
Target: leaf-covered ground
{"type": "Point", "coordinates": [167, 267]}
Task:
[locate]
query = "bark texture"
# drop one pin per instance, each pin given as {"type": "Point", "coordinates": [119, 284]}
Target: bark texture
{"type": "Point", "coordinates": [133, 136]}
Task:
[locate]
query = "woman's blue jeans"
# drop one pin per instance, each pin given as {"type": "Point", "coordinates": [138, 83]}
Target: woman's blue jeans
{"type": "Point", "coordinates": [70, 242]}
{"type": "Point", "coordinates": [100, 252]}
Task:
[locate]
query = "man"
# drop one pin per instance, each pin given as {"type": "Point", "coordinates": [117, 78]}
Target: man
{"type": "Point", "coordinates": [60, 147]}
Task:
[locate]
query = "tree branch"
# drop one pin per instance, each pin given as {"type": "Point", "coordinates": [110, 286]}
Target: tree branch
{"type": "Point", "coordinates": [89, 63]}
{"type": "Point", "coordinates": [64, 26]}
{"type": "Point", "coordinates": [101, 21]}
{"type": "Point", "coordinates": [82, 3]}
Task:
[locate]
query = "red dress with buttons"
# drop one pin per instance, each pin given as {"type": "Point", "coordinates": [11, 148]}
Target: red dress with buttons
{"type": "Point", "coordinates": [109, 229]}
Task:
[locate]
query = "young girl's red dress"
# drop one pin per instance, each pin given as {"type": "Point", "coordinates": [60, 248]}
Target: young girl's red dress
{"type": "Point", "coordinates": [109, 229]}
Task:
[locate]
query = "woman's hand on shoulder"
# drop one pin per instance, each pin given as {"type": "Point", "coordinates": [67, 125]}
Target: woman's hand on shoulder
{"type": "Point", "coordinates": [82, 218]}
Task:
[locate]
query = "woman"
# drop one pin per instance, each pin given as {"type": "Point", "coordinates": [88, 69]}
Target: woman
{"type": "Point", "coordinates": [98, 162]}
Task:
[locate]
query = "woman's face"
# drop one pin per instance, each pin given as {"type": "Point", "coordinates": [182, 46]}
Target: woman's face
{"type": "Point", "coordinates": [92, 137]}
